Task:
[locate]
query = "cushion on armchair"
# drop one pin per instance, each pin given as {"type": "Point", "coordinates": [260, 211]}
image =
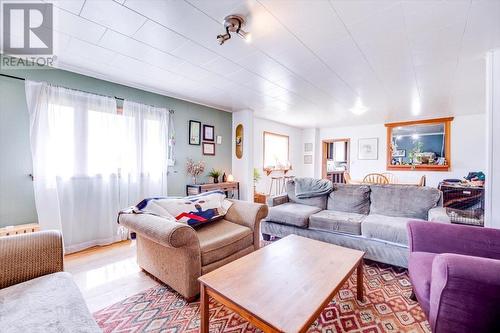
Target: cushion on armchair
{"type": "Point", "coordinates": [192, 210]}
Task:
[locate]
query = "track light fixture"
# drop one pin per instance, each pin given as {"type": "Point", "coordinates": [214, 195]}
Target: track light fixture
{"type": "Point", "coordinates": [233, 23]}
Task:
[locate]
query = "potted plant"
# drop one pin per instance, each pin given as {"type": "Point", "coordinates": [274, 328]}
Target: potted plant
{"type": "Point", "coordinates": [215, 174]}
{"type": "Point", "coordinates": [194, 169]}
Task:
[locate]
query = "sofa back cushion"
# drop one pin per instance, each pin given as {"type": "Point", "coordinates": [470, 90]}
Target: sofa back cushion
{"type": "Point", "coordinates": [319, 202]}
{"type": "Point", "coordinates": [350, 198]}
{"type": "Point", "coordinates": [403, 200]}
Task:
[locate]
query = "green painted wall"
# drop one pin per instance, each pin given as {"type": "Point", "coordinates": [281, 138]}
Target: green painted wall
{"type": "Point", "coordinates": [17, 204]}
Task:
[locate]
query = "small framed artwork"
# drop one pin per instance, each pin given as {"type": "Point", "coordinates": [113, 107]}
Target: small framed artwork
{"type": "Point", "coordinates": [219, 139]}
{"type": "Point", "coordinates": [308, 147]}
{"type": "Point", "coordinates": [208, 133]}
{"type": "Point", "coordinates": [208, 148]}
{"type": "Point", "coordinates": [399, 153]}
{"type": "Point", "coordinates": [194, 132]}
{"type": "Point", "coordinates": [308, 159]}
{"type": "Point", "coordinates": [368, 149]}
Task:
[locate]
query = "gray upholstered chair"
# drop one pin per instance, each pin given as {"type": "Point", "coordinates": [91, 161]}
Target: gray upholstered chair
{"type": "Point", "coordinates": [35, 294]}
{"type": "Point", "coordinates": [178, 254]}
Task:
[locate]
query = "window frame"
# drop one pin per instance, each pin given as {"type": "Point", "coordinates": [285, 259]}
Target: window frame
{"type": "Point", "coordinates": [264, 167]}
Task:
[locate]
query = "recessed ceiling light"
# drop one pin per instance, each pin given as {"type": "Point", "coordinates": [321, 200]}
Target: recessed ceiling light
{"type": "Point", "coordinates": [415, 136]}
{"type": "Point", "coordinates": [234, 23]}
{"type": "Point", "coordinates": [359, 108]}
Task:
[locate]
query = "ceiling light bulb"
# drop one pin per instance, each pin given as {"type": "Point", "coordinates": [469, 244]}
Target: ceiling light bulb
{"type": "Point", "coordinates": [245, 35]}
{"type": "Point", "coordinates": [359, 108]}
{"type": "Point", "coordinates": [415, 136]}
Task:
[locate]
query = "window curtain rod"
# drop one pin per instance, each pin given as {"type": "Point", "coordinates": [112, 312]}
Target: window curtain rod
{"type": "Point", "coordinates": [117, 98]}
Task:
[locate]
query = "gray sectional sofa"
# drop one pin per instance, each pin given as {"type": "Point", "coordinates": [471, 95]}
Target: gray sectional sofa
{"type": "Point", "coordinates": [371, 218]}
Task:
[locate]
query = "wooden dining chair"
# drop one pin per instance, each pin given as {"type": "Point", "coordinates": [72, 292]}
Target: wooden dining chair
{"type": "Point", "coordinates": [347, 177]}
{"type": "Point", "coordinates": [375, 178]}
{"type": "Point", "coordinates": [390, 177]}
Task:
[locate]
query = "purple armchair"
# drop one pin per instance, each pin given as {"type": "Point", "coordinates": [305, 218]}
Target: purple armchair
{"type": "Point", "coordinates": [455, 273]}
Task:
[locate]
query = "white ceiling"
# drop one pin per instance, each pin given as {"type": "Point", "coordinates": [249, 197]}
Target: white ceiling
{"type": "Point", "coordinates": [308, 64]}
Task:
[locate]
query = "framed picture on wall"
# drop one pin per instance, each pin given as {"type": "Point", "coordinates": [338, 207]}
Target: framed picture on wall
{"type": "Point", "coordinates": [308, 159]}
{"type": "Point", "coordinates": [208, 133]}
{"type": "Point", "coordinates": [368, 149]}
{"type": "Point", "coordinates": [208, 148]}
{"type": "Point", "coordinates": [194, 132]}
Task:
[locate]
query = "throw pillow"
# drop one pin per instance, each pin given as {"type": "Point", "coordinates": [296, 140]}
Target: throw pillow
{"type": "Point", "coordinates": [192, 210]}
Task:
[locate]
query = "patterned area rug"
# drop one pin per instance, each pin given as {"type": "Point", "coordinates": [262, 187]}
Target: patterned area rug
{"type": "Point", "coordinates": [386, 308]}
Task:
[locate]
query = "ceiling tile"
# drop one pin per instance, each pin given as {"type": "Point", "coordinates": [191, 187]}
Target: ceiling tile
{"type": "Point", "coordinates": [74, 6]}
{"type": "Point", "coordinates": [113, 15]}
{"type": "Point", "coordinates": [194, 53]}
{"type": "Point", "coordinates": [160, 37]}
{"type": "Point", "coordinates": [138, 50]}
{"type": "Point", "coordinates": [75, 26]}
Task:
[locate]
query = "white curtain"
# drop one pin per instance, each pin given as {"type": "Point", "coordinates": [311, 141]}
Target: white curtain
{"type": "Point", "coordinates": [89, 162]}
{"type": "Point", "coordinates": [145, 159]}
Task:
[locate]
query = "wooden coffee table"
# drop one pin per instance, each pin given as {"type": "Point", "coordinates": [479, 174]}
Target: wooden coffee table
{"type": "Point", "coordinates": [282, 287]}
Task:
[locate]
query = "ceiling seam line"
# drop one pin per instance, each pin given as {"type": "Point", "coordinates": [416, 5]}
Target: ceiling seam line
{"type": "Point", "coordinates": [274, 59]}
{"type": "Point", "coordinates": [206, 48]}
{"type": "Point", "coordinates": [411, 55]}
{"type": "Point", "coordinates": [360, 50]}
{"type": "Point", "coordinates": [172, 55]}
{"type": "Point", "coordinates": [452, 93]}
{"type": "Point", "coordinates": [308, 48]}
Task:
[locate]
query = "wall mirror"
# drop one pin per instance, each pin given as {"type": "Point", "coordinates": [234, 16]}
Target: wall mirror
{"type": "Point", "coordinates": [419, 145]}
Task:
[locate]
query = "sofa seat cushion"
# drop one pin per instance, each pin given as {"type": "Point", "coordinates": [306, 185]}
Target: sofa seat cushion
{"type": "Point", "coordinates": [51, 303]}
{"type": "Point", "coordinates": [350, 198]}
{"type": "Point", "coordinates": [387, 228]}
{"type": "Point", "coordinates": [331, 220]}
{"type": "Point", "coordinates": [292, 214]}
{"type": "Point", "coordinates": [420, 269]}
{"type": "Point", "coordinates": [221, 239]}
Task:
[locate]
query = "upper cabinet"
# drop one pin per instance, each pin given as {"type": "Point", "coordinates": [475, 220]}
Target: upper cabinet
{"type": "Point", "coordinates": [419, 145]}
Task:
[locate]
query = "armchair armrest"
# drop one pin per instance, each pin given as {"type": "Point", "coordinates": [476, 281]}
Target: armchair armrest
{"type": "Point", "coordinates": [28, 256]}
{"type": "Point", "coordinates": [464, 294]}
{"type": "Point", "coordinates": [277, 200]}
{"type": "Point", "coordinates": [453, 238]}
{"type": "Point", "coordinates": [248, 214]}
{"type": "Point", "coordinates": [159, 229]}
{"type": "Point", "coordinates": [438, 214]}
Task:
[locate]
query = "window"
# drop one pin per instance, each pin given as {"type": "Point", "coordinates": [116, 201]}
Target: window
{"type": "Point", "coordinates": [276, 151]}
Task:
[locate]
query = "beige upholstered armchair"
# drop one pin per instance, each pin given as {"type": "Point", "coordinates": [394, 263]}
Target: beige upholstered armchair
{"type": "Point", "coordinates": [177, 254]}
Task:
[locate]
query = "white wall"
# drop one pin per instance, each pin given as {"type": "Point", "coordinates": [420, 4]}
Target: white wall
{"type": "Point", "coordinates": [242, 168]}
{"type": "Point", "coordinates": [492, 218]}
{"type": "Point", "coordinates": [295, 149]}
{"type": "Point", "coordinates": [311, 135]}
{"type": "Point", "coordinates": [468, 151]}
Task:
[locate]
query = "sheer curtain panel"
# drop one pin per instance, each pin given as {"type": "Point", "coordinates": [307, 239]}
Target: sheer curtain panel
{"type": "Point", "coordinates": [145, 159]}
{"type": "Point", "coordinates": [75, 142]}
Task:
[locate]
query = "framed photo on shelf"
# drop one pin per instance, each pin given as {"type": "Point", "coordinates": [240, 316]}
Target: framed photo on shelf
{"type": "Point", "coordinates": [368, 149]}
{"type": "Point", "coordinates": [194, 132]}
{"type": "Point", "coordinates": [208, 133]}
{"type": "Point", "coordinates": [208, 148]}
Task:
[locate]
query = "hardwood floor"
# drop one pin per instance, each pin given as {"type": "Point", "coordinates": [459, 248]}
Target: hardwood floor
{"type": "Point", "coordinates": [107, 274]}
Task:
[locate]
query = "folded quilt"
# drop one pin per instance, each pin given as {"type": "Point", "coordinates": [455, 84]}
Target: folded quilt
{"type": "Point", "coordinates": [312, 187]}
{"type": "Point", "coordinates": [193, 210]}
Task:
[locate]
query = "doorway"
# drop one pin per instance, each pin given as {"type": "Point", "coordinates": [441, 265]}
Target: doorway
{"type": "Point", "coordinates": [335, 159]}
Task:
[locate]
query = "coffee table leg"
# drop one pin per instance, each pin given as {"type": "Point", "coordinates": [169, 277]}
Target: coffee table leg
{"type": "Point", "coordinates": [360, 281]}
{"type": "Point", "coordinates": [204, 322]}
